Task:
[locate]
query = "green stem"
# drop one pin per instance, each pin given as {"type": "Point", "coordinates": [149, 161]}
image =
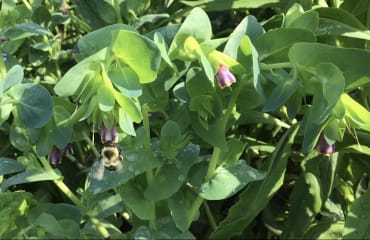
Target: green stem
{"type": "Point", "coordinates": [6, 101]}
{"type": "Point", "coordinates": [210, 216]}
{"type": "Point", "coordinates": [2, 68]}
{"type": "Point", "coordinates": [118, 11]}
{"type": "Point", "coordinates": [65, 189]}
{"type": "Point", "coordinates": [264, 66]}
{"type": "Point", "coordinates": [149, 173]}
{"type": "Point", "coordinates": [216, 154]}
{"type": "Point", "coordinates": [28, 6]}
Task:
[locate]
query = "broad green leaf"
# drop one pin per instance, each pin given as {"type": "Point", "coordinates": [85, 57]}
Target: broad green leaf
{"type": "Point", "coordinates": [13, 205]}
{"type": "Point", "coordinates": [162, 46]}
{"type": "Point", "coordinates": [297, 18]}
{"type": "Point", "coordinates": [130, 106]}
{"type": "Point", "coordinates": [166, 229]}
{"type": "Point", "coordinates": [149, 18]}
{"type": "Point", "coordinates": [280, 94]}
{"type": "Point", "coordinates": [50, 225]}
{"type": "Point", "coordinates": [25, 30]}
{"type": "Point", "coordinates": [229, 181]}
{"type": "Point", "coordinates": [29, 176]}
{"type": "Point", "coordinates": [58, 210]}
{"type": "Point", "coordinates": [105, 96]}
{"type": "Point", "coordinates": [171, 140]}
{"type": "Point", "coordinates": [202, 32]}
{"type": "Point", "coordinates": [126, 80]}
{"type": "Point", "coordinates": [180, 205]}
{"type": "Point", "coordinates": [248, 57]}
{"type": "Point", "coordinates": [134, 163]}
{"type": "Point", "coordinates": [71, 229]}
{"type": "Point", "coordinates": [171, 177]}
{"type": "Point", "coordinates": [139, 53]}
{"type": "Point", "coordinates": [257, 194]}
{"type": "Point", "coordinates": [248, 26]}
{"type": "Point", "coordinates": [220, 5]}
{"type": "Point", "coordinates": [13, 77]}
{"type": "Point", "coordinates": [197, 83]}
{"type": "Point", "coordinates": [71, 81]}
{"type": "Point", "coordinates": [356, 114]}
{"type": "Point", "coordinates": [325, 230]}
{"type": "Point", "coordinates": [8, 166]}
{"type": "Point", "coordinates": [330, 27]}
{"type": "Point", "coordinates": [349, 60]}
{"type": "Point", "coordinates": [357, 222]}
{"type": "Point", "coordinates": [274, 45]}
{"type": "Point", "coordinates": [125, 123]}
{"type": "Point", "coordinates": [208, 125]}
{"type": "Point", "coordinates": [97, 40]}
{"type": "Point", "coordinates": [312, 190]}
{"type": "Point", "coordinates": [133, 198]}
{"type": "Point", "coordinates": [33, 104]}
{"type": "Point", "coordinates": [5, 111]}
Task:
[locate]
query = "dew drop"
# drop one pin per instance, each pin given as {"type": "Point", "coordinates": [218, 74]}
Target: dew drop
{"type": "Point", "coordinates": [181, 178]}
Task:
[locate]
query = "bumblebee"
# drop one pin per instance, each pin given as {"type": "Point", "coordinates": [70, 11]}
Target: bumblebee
{"type": "Point", "coordinates": [111, 156]}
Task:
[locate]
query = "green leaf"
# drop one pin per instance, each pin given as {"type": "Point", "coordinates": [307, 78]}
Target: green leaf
{"type": "Point", "coordinates": [5, 111]}
{"type": "Point", "coordinates": [134, 163]}
{"type": "Point", "coordinates": [25, 30]}
{"type": "Point", "coordinates": [71, 81]}
{"type": "Point", "coordinates": [133, 198]}
{"type": "Point", "coordinates": [13, 206]}
{"type": "Point", "coordinates": [248, 57]}
{"type": "Point", "coordinates": [58, 210]}
{"type": "Point", "coordinates": [97, 40]}
{"type": "Point", "coordinates": [357, 223]}
{"type": "Point", "coordinates": [297, 18]}
{"type": "Point", "coordinates": [257, 194]}
{"type": "Point", "coordinates": [50, 225]}
{"type": "Point", "coordinates": [221, 5]}
{"type": "Point", "coordinates": [170, 177]}
{"type": "Point", "coordinates": [229, 181]}
{"type": "Point", "coordinates": [105, 96]}
{"type": "Point", "coordinates": [171, 140]}
{"type": "Point", "coordinates": [143, 56]}
{"type": "Point", "coordinates": [125, 123]}
{"type": "Point", "coordinates": [202, 32]}
{"type": "Point", "coordinates": [273, 46]}
{"type": "Point", "coordinates": [126, 80]}
{"type": "Point", "coordinates": [33, 104]}
{"type": "Point", "coordinates": [13, 77]}
{"type": "Point", "coordinates": [180, 205]}
{"type": "Point", "coordinates": [349, 60]}
{"type": "Point", "coordinates": [248, 26]}
{"type": "Point", "coordinates": [130, 106]}
{"type": "Point", "coordinates": [356, 114]}
{"type": "Point", "coordinates": [29, 176]}
{"type": "Point", "coordinates": [280, 94]}
{"type": "Point", "coordinates": [8, 166]}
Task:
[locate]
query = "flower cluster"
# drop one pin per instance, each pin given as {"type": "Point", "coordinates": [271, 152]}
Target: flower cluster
{"type": "Point", "coordinates": [55, 155]}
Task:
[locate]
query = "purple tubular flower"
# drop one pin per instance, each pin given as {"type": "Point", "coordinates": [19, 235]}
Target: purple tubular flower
{"type": "Point", "coordinates": [64, 8]}
{"type": "Point", "coordinates": [68, 150]}
{"type": "Point", "coordinates": [108, 135]}
{"type": "Point", "coordinates": [324, 147]}
{"type": "Point", "coordinates": [55, 156]}
{"type": "Point", "coordinates": [224, 77]}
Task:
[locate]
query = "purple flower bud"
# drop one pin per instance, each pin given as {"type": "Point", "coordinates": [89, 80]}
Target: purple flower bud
{"type": "Point", "coordinates": [55, 156]}
{"type": "Point", "coordinates": [224, 77]}
{"type": "Point", "coordinates": [108, 135]}
{"type": "Point", "coordinates": [64, 8]}
{"type": "Point", "coordinates": [68, 150]}
{"type": "Point", "coordinates": [324, 147]}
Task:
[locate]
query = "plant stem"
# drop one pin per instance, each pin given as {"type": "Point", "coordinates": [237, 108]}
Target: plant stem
{"type": "Point", "coordinates": [215, 157]}
{"type": "Point", "coordinates": [210, 216]}
{"type": "Point", "coordinates": [271, 66]}
{"type": "Point", "coordinates": [65, 189]}
{"type": "Point", "coordinates": [2, 68]}
{"type": "Point", "coordinates": [118, 11]}
{"type": "Point", "coordinates": [149, 173]}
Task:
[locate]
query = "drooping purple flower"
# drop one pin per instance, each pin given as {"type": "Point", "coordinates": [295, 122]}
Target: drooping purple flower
{"type": "Point", "coordinates": [55, 156]}
{"type": "Point", "coordinates": [64, 8]}
{"type": "Point", "coordinates": [224, 77]}
{"type": "Point", "coordinates": [324, 147]}
{"type": "Point", "coordinates": [68, 150]}
{"type": "Point", "coordinates": [108, 135]}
